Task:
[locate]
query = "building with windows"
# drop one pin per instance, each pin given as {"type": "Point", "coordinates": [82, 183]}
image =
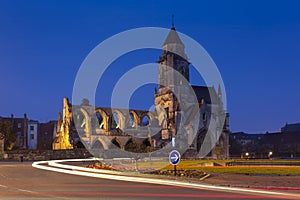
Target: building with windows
{"type": "Point", "coordinates": [19, 126]}
{"type": "Point", "coordinates": [283, 144]}
{"type": "Point", "coordinates": [46, 135]}
{"type": "Point", "coordinates": [32, 134]}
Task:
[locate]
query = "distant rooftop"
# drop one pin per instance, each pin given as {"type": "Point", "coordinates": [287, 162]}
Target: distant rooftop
{"type": "Point", "coordinates": [291, 127]}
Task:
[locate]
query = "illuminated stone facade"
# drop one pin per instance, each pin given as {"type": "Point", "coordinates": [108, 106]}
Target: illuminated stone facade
{"type": "Point", "coordinates": [102, 127]}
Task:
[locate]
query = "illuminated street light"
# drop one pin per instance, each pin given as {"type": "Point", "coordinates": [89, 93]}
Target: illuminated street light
{"type": "Point", "coordinates": [270, 154]}
{"type": "Point", "coordinates": [246, 155]}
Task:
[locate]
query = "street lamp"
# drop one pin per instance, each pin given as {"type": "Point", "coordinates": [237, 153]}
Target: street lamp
{"type": "Point", "coordinates": [270, 154]}
{"type": "Point", "coordinates": [247, 155]}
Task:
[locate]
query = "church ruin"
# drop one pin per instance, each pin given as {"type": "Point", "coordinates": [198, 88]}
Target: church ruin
{"type": "Point", "coordinates": [145, 131]}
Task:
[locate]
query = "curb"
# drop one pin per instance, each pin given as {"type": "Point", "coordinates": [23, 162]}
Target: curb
{"type": "Point", "coordinates": [68, 169]}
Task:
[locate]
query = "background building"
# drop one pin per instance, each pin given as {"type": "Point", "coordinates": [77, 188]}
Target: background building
{"type": "Point", "coordinates": [29, 134]}
{"type": "Point", "coordinates": [46, 135]}
{"type": "Point", "coordinates": [32, 134]}
{"type": "Point", "coordinates": [19, 127]}
{"type": "Point", "coordinates": [283, 144]}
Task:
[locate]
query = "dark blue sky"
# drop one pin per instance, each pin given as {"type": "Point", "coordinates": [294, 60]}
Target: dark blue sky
{"type": "Point", "coordinates": [255, 45]}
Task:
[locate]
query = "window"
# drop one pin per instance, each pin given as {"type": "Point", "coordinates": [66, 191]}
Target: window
{"type": "Point", "coordinates": [79, 119]}
{"type": "Point", "coordinates": [204, 116]}
{"type": "Point", "coordinates": [19, 125]}
{"type": "Point", "coordinates": [131, 120]}
{"type": "Point", "coordinates": [32, 128]}
{"type": "Point", "coordinates": [145, 121]}
{"type": "Point", "coordinates": [115, 121]}
{"type": "Point", "coordinates": [32, 136]}
{"type": "Point", "coordinates": [18, 139]}
{"type": "Point", "coordinates": [167, 112]}
{"type": "Point", "coordinates": [182, 72]}
{"type": "Point", "coordinates": [100, 120]}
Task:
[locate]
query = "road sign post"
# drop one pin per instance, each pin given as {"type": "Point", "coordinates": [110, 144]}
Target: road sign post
{"type": "Point", "coordinates": [174, 159]}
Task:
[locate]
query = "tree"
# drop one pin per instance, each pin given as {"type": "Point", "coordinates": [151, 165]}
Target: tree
{"type": "Point", "coordinates": [7, 135]}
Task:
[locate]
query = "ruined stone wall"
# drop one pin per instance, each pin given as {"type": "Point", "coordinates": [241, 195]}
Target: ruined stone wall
{"type": "Point", "coordinates": [37, 155]}
{"type": "Point", "coordinates": [1, 148]}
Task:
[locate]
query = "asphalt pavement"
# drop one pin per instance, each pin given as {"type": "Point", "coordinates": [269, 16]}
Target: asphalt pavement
{"type": "Point", "coordinates": [22, 181]}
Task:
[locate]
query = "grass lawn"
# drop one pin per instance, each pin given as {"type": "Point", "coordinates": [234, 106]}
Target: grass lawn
{"type": "Point", "coordinates": [200, 165]}
{"type": "Point", "coordinates": [259, 170]}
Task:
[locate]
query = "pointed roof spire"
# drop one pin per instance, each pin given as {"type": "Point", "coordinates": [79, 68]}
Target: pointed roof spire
{"type": "Point", "coordinates": [173, 27]}
{"type": "Point", "coordinates": [173, 36]}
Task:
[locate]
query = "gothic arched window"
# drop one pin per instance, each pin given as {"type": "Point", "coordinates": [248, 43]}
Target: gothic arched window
{"type": "Point", "coordinates": [100, 120]}
{"type": "Point", "coordinates": [145, 120]}
{"type": "Point", "coordinates": [131, 120]}
{"type": "Point", "coordinates": [115, 121]}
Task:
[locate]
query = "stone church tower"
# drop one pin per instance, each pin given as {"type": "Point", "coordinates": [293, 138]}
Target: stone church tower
{"type": "Point", "coordinates": [172, 61]}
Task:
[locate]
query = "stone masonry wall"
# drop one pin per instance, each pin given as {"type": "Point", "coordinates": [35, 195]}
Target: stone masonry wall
{"type": "Point", "coordinates": [37, 155]}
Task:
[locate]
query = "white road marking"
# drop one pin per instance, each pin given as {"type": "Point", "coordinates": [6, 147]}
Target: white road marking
{"type": "Point", "coordinates": [22, 190]}
{"type": "Point", "coordinates": [4, 186]}
{"type": "Point", "coordinates": [82, 171]}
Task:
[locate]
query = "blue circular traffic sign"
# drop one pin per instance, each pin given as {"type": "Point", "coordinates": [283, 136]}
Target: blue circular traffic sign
{"type": "Point", "coordinates": [174, 157]}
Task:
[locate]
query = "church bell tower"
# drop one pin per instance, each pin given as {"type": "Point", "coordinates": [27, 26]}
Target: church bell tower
{"type": "Point", "coordinates": [172, 61]}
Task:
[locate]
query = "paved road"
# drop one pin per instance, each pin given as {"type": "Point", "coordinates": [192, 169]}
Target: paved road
{"type": "Point", "coordinates": [21, 181]}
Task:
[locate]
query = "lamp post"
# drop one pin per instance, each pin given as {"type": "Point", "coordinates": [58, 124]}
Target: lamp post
{"type": "Point", "coordinates": [247, 155]}
{"type": "Point", "coordinates": [270, 154]}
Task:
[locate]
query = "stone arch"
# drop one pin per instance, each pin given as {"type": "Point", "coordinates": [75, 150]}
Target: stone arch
{"type": "Point", "coordinates": [104, 142]}
{"type": "Point", "coordinates": [145, 120]}
{"type": "Point", "coordinates": [82, 120]}
{"type": "Point", "coordinates": [147, 143]}
{"type": "Point", "coordinates": [151, 116]}
{"type": "Point", "coordinates": [97, 145]}
{"type": "Point", "coordinates": [103, 123]}
{"type": "Point", "coordinates": [79, 119]}
{"type": "Point", "coordinates": [88, 122]}
{"type": "Point", "coordinates": [116, 143]}
{"type": "Point", "coordinates": [133, 119]}
{"type": "Point", "coordinates": [131, 145]}
{"type": "Point", "coordinates": [119, 122]}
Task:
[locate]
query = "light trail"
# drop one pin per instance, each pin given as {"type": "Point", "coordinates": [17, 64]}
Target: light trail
{"type": "Point", "coordinates": [56, 166]}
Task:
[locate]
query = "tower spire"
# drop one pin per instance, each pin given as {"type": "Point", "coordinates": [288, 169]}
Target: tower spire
{"type": "Point", "coordinates": [173, 21]}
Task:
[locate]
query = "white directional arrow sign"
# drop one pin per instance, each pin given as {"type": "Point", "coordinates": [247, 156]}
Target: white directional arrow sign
{"type": "Point", "coordinates": [174, 157]}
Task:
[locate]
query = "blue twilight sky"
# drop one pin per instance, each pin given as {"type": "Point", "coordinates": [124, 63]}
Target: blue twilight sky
{"type": "Point", "coordinates": [255, 45]}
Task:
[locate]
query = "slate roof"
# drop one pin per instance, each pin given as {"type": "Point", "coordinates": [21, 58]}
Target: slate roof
{"type": "Point", "coordinates": [173, 37]}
